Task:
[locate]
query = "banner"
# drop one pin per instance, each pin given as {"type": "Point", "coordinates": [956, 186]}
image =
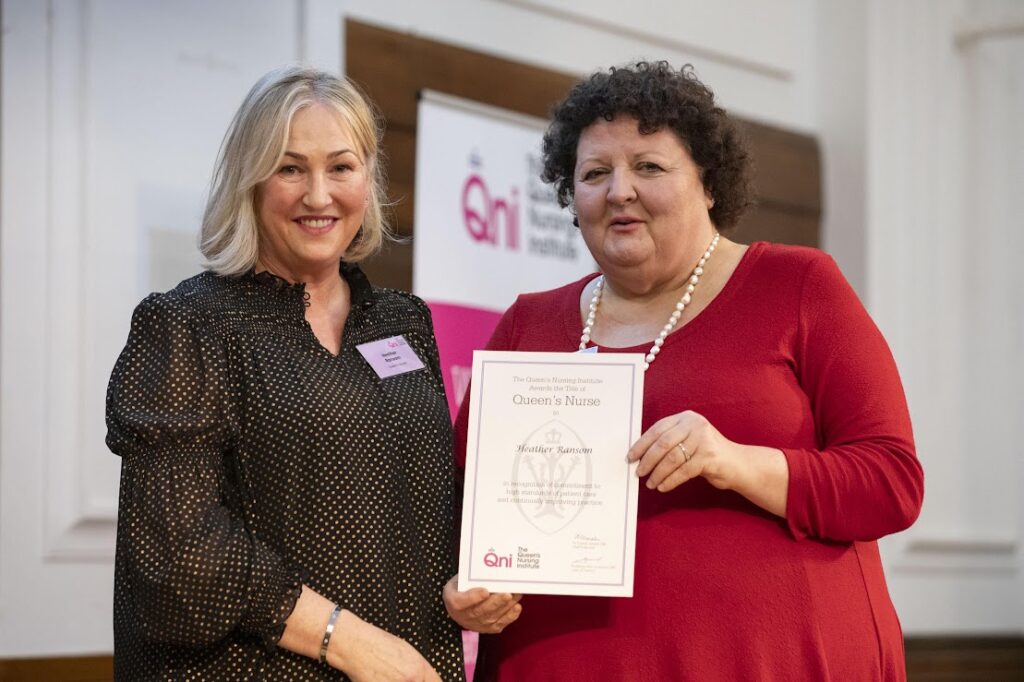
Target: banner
{"type": "Point", "coordinates": [486, 227]}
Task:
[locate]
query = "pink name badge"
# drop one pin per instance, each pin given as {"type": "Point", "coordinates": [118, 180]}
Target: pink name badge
{"type": "Point", "coordinates": [390, 357]}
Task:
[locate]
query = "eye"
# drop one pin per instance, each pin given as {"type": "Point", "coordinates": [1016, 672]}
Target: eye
{"type": "Point", "coordinates": [649, 167]}
{"type": "Point", "coordinates": [342, 168]}
{"type": "Point", "coordinates": [289, 170]}
{"type": "Point", "coordinates": [592, 174]}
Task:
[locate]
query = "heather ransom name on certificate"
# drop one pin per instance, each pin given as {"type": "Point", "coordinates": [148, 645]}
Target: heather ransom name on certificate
{"type": "Point", "coordinates": [550, 501]}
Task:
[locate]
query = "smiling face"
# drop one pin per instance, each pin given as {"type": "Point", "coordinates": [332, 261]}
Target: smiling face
{"type": "Point", "coordinates": [311, 208]}
{"type": "Point", "coordinates": [642, 207]}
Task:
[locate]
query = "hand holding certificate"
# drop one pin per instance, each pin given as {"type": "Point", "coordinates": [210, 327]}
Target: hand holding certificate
{"type": "Point", "coordinates": [550, 500]}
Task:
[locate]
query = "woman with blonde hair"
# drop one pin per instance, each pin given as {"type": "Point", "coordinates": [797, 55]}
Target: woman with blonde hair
{"type": "Point", "coordinates": [286, 482]}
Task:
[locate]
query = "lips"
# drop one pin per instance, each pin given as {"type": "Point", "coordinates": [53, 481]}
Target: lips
{"type": "Point", "coordinates": [625, 221]}
{"type": "Point", "coordinates": [316, 224]}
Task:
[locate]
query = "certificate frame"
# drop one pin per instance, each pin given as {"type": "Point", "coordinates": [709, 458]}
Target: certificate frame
{"type": "Point", "coordinates": [570, 533]}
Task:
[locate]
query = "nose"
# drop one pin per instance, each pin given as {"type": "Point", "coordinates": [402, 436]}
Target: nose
{"type": "Point", "coordinates": [620, 187]}
{"type": "Point", "coordinates": [317, 194]}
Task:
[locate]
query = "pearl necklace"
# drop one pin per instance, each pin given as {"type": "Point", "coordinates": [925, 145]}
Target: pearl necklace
{"type": "Point", "coordinates": [673, 318]}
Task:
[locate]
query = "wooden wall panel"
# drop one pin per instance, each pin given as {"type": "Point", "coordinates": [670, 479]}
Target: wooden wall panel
{"type": "Point", "coordinates": [787, 169]}
{"type": "Point", "coordinates": [965, 659]}
{"type": "Point", "coordinates": [400, 162]}
{"type": "Point", "coordinates": [394, 67]}
{"type": "Point", "coordinates": [392, 267]}
{"type": "Point", "coordinates": [71, 669]}
{"type": "Point", "coordinates": [776, 223]}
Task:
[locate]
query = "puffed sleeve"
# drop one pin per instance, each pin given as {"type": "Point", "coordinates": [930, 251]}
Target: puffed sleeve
{"type": "Point", "coordinates": [864, 481]}
{"type": "Point", "coordinates": [188, 569]}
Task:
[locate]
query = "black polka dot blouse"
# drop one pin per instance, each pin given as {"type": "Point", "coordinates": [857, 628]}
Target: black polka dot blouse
{"type": "Point", "coordinates": [254, 460]}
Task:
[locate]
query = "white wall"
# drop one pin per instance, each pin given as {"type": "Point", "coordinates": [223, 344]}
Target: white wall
{"type": "Point", "coordinates": [840, 61]}
{"type": "Point", "coordinates": [945, 164]}
{"type": "Point", "coordinates": [754, 54]}
{"type": "Point", "coordinates": [112, 114]}
{"type": "Point", "coordinates": [113, 110]}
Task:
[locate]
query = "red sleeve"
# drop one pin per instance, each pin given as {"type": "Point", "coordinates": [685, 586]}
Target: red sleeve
{"type": "Point", "coordinates": [501, 339]}
{"type": "Point", "coordinates": [865, 480]}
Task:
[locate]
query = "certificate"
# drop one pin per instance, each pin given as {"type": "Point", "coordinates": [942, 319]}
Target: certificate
{"type": "Point", "coordinates": [550, 500]}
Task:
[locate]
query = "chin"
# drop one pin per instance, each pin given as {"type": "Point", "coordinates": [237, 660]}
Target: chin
{"type": "Point", "coordinates": [320, 260]}
{"type": "Point", "coordinates": [625, 259]}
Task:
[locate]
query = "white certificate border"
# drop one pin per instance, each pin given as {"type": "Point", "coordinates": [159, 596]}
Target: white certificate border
{"type": "Point", "coordinates": [629, 501]}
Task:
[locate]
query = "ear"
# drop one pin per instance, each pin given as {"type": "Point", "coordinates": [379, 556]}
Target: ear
{"type": "Point", "coordinates": [709, 200]}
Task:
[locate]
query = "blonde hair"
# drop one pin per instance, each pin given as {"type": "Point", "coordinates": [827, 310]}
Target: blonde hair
{"type": "Point", "coordinates": [254, 143]}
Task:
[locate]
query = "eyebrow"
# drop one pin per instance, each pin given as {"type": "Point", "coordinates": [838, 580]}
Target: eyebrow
{"type": "Point", "coordinates": [302, 157]}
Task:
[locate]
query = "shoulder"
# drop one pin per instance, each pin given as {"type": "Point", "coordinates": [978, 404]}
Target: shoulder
{"type": "Point", "coordinates": [810, 282]}
{"type": "Point", "coordinates": [398, 298]}
{"type": "Point", "coordinates": [199, 309]}
{"type": "Point", "coordinates": [394, 311]}
{"type": "Point", "coordinates": [208, 294]}
{"type": "Point", "coordinates": [538, 320]}
{"type": "Point", "coordinates": [165, 321]}
{"type": "Point", "coordinates": [167, 382]}
{"type": "Point", "coordinates": [193, 294]}
{"type": "Point", "coordinates": [211, 300]}
{"type": "Point", "coordinates": [400, 302]}
{"type": "Point", "coordinates": [790, 259]}
{"type": "Point", "coordinates": [793, 271]}
{"type": "Point", "coordinates": [544, 302]}
{"type": "Point", "coordinates": [164, 308]}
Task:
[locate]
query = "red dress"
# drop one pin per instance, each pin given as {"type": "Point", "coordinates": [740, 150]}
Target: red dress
{"type": "Point", "coordinates": [785, 356]}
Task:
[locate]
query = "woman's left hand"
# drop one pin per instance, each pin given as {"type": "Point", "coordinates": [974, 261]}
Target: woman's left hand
{"type": "Point", "coordinates": [683, 446]}
{"type": "Point", "coordinates": [686, 445]}
{"type": "Point", "coordinates": [479, 610]}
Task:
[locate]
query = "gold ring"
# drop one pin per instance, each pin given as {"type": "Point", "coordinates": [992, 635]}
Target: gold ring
{"type": "Point", "coordinates": [682, 448]}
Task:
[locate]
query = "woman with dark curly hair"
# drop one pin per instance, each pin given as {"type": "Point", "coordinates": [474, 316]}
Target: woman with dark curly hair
{"type": "Point", "coordinates": [777, 445]}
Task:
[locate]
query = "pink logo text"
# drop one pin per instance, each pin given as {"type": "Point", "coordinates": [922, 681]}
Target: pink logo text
{"type": "Point", "coordinates": [494, 560]}
{"type": "Point", "coordinates": [486, 217]}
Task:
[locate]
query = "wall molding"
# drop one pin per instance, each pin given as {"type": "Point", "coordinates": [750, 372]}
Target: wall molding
{"type": "Point", "coordinates": [973, 554]}
{"type": "Point", "coordinates": [1007, 24]}
{"type": "Point", "coordinates": [653, 39]}
{"type": "Point", "coordinates": [79, 515]}
{"type": "Point", "coordinates": [929, 659]}
{"type": "Point", "coordinates": [964, 544]}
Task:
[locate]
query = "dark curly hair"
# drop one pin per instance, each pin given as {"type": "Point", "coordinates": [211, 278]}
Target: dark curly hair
{"type": "Point", "coordinates": [657, 96]}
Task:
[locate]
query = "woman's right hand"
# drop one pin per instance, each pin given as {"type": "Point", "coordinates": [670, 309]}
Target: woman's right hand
{"type": "Point", "coordinates": [365, 652]}
{"type": "Point", "coordinates": [479, 610]}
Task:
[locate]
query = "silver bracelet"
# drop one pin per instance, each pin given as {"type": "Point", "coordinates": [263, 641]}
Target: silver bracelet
{"type": "Point", "coordinates": [328, 632]}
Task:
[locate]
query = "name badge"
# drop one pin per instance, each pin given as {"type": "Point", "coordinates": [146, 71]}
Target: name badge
{"type": "Point", "coordinates": [390, 357]}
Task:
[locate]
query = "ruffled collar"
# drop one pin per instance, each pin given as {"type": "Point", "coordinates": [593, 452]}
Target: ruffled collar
{"type": "Point", "coordinates": [363, 295]}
